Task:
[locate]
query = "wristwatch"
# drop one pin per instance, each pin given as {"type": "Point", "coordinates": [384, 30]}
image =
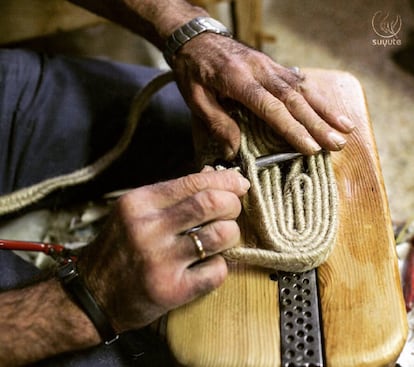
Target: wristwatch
{"type": "Point", "coordinates": [73, 285]}
{"type": "Point", "coordinates": [190, 30]}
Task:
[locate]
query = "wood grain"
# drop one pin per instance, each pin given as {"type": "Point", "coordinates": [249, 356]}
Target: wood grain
{"type": "Point", "coordinates": [362, 306]}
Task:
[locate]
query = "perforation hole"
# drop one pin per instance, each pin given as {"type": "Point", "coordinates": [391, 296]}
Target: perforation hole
{"type": "Point", "coordinates": [309, 339]}
{"type": "Point", "coordinates": [300, 346]}
{"type": "Point", "coordinates": [290, 338]}
{"type": "Point", "coordinates": [297, 287]}
{"type": "Point", "coordinates": [288, 314]}
{"type": "Point", "coordinates": [290, 353]}
{"type": "Point", "coordinates": [298, 309]}
{"type": "Point", "coordinates": [289, 325]}
{"type": "Point", "coordinates": [308, 327]}
{"type": "Point", "coordinates": [298, 298]}
{"type": "Point", "coordinates": [300, 333]}
{"type": "Point", "coordinates": [309, 352]}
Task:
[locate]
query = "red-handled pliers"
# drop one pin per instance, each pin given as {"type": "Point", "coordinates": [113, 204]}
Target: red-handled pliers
{"type": "Point", "coordinates": [58, 252]}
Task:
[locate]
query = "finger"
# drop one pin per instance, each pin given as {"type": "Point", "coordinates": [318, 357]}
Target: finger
{"type": "Point", "coordinates": [203, 207]}
{"type": "Point", "coordinates": [292, 76]}
{"type": "Point", "coordinates": [174, 284]}
{"type": "Point", "coordinates": [298, 81]}
{"type": "Point", "coordinates": [323, 133]}
{"type": "Point", "coordinates": [279, 118]}
{"type": "Point", "coordinates": [220, 124]}
{"type": "Point", "coordinates": [207, 168]}
{"type": "Point", "coordinates": [215, 237]}
{"type": "Point", "coordinates": [318, 102]}
{"type": "Point", "coordinates": [318, 129]}
{"type": "Point", "coordinates": [181, 188]}
{"type": "Point", "coordinates": [271, 110]}
{"type": "Point", "coordinates": [284, 109]}
{"type": "Point", "coordinates": [204, 277]}
{"type": "Point", "coordinates": [161, 195]}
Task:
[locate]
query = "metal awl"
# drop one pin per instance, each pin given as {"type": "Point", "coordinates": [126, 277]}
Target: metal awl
{"type": "Point", "coordinates": [268, 160]}
{"type": "Point", "coordinates": [261, 162]}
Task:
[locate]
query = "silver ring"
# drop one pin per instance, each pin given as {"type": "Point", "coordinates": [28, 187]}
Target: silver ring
{"type": "Point", "coordinates": [192, 233]}
{"type": "Point", "coordinates": [295, 69]}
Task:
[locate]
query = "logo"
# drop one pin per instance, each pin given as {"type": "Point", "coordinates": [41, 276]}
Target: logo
{"type": "Point", "coordinates": [387, 27]}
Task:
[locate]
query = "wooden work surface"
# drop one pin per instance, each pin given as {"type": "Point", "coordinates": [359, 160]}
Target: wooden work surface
{"type": "Point", "coordinates": [362, 306]}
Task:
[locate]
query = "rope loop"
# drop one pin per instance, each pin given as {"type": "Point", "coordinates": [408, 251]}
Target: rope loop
{"type": "Point", "coordinates": [291, 208]}
{"type": "Point", "coordinates": [24, 197]}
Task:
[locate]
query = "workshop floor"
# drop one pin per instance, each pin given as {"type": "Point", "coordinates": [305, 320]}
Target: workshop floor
{"type": "Point", "coordinates": [329, 34]}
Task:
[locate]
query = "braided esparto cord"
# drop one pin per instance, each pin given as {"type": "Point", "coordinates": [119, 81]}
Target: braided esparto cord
{"type": "Point", "coordinates": [292, 215]}
{"type": "Point", "coordinates": [291, 208]}
{"type": "Point", "coordinates": [29, 195]}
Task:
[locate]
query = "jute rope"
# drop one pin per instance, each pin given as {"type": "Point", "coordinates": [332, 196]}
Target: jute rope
{"type": "Point", "coordinates": [24, 197]}
{"type": "Point", "coordinates": [292, 211]}
{"type": "Point", "coordinates": [291, 208]}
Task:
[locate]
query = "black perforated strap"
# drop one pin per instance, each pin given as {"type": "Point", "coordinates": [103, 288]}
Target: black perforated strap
{"type": "Point", "coordinates": [74, 286]}
{"type": "Point", "coordinates": [301, 333]}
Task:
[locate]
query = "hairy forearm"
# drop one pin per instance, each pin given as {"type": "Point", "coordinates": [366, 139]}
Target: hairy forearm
{"type": "Point", "coordinates": [40, 321]}
{"type": "Point", "coordinates": [153, 19]}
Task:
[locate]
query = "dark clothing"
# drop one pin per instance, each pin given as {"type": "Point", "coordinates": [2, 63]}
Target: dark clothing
{"type": "Point", "coordinates": [58, 114]}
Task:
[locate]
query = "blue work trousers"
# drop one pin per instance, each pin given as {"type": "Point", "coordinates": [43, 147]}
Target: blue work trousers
{"type": "Point", "coordinates": [58, 114]}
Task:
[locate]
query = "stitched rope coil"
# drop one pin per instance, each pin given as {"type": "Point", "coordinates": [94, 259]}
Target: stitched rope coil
{"type": "Point", "coordinates": [291, 208]}
{"type": "Point", "coordinates": [292, 216]}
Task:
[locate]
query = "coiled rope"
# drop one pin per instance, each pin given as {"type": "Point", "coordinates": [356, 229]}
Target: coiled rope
{"type": "Point", "coordinates": [292, 212]}
{"type": "Point", "coordinates": [291, 208]}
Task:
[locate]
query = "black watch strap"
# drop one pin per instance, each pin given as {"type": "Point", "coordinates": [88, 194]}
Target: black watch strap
{"type": "Point", "coordinates": [73, 285]}
{"type": "Point", "coordinates": [190, 30]}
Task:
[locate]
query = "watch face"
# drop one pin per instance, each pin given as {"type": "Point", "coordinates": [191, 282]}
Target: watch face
{"type": "Point", "coordinates": [208, 23]}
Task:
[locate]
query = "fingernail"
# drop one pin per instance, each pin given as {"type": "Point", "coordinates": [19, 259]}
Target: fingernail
{"type": "Point", "coordinates": [312, 144]}
{"type": "Point", "coordinates": [244, 183]}
{"type": "Point", "coordinates": [338, 139]}
{"type": "Point", "coordinates": [346, 122]}
{"type": "Point", "coordinates": [229, 152]}
{"type": "Point", "coordinates": [207, 168]}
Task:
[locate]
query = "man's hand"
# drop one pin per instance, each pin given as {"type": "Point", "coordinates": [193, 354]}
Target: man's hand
{"type": "Point", "coordinates": [143, 265]}
{"type": "Point", "coordinates": [210, 68]}
{"type": "Point", "coordinates": [140, 266]}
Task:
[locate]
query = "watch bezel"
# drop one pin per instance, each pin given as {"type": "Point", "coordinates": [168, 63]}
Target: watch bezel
{"type": "Point", "coordinates": [190, 30]}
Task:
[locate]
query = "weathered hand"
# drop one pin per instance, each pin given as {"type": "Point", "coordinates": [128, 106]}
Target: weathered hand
{"type": "Point", "coordinates": [210, 68]}
{"type": "Point", "coordinates": [142, 265]}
